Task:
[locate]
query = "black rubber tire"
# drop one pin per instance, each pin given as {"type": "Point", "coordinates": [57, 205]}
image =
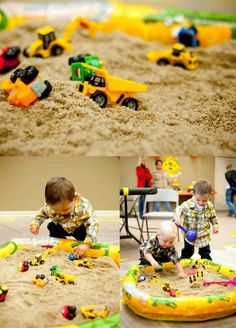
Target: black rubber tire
{"type": "Point", "coordinates": [100, 98]}
{"type": "Point", "coordinates": [31, 72]}
{"type": "Point", "coordinates": [57, 50]}
{"type": "Point", "coordinates": [17, 74]}
{"type": "Point", "coordinates": [70, 316]}
{"type": "Point", "coordinates": [78, 59]}
{"type": "Point", "coordinates": [25, 53]}
{"type": "Point", "coordinates": [130, 103]}
{"type": "Point", "coordinates": [12, 53]}
{"type": "Point", "coordinates": [162, 62]}
{"type": "Point", "coordinates": [47, 91]}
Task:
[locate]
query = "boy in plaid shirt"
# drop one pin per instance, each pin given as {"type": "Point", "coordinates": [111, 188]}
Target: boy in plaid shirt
{"type": "Point", "coordinates": [160, 248]}
{"type": "Point", "coordinates": [70, 214]}
{"type": "Point", "coordinates": [198, 214]}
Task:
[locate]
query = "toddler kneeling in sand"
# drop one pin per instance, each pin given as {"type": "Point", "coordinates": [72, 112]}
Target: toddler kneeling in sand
{"type": "Point", "coordinates": [160, 248]}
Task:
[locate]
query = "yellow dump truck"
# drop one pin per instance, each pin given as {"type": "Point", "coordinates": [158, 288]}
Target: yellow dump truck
{"type": "Point", "coordinates": [105, 89]}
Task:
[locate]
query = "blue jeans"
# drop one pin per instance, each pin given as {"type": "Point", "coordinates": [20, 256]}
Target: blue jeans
{"type": "Point", "coordinates": [141, 205]}
{"type": "Point", "coordinates": [158, 205]}
{"type": "Point", "coordinates": [229, 197]}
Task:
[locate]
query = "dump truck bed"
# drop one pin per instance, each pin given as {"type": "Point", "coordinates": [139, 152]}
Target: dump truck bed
{"type": "Point", "coordinates": [118, 84]}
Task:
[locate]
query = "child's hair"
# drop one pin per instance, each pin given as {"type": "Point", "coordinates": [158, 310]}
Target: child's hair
{"type": "Point", "coordinates": [167, 228]}
{"type": "Point", "coordinates": [202, 187]}
{"type": "Point", "coordinates": [59, 189]}
{"type": "Point", "coordinates": [157, 161]}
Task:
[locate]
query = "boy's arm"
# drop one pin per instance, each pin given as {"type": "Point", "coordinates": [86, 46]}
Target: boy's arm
{"type": "Point", "coordinates": [213, 220]}
{"type": "Point", "coordinates": [91, 225]}
{"type": "Point", "coordinates": [38, 220]}
{"type": "Point", "coordinates": [179, 215]}
{"type": "Point", "coordinates": [174, 257]}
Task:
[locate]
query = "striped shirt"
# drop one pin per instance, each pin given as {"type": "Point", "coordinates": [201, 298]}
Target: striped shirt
{"type": "Point", "coordinates": [197, 220]}
{"type": "Point", "coordinates": [82, 214]}
{"type": "Point", "coordinates": [152, 246]}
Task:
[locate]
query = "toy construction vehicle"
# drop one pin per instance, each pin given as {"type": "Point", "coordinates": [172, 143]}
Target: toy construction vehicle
{"type": "Point", "coordinates": [40, 280]}
{"type": "Point", "coordinates": [177, 56]}
{"type": "Point", "coordinates": [84, 263]}
{"type": "Point", "coordinates": [79, 74]}
{"type": "Point", "coordinates": [104, 88]}
{"type": "Point", "coordinates": [65, 279]}
{"type": "Point", "coordinates": [9, 58]}
{"type": "Point", "coordinates": [89, 312]}
{"type": "Point", "coordinates": [23, 266]}
{"type": "Point", "coordinates": [38, 259]}
{"type": "Point", "coordinates": [3, 292]}
{"type": "Point", "coordinates": [55, 270]}
{"type": "Point", "coordinates": [166, 287]}
{"type": "Point", "coordinates": [48, 45]}
{"type": "Point", "coordinates": [25, 86]}
{"type": "Point", "coordinates": [68, 312]}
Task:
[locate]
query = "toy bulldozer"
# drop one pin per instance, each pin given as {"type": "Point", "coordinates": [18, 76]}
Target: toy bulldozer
{"type": "Point", "coordinates": [48, 45]}
{"type": "Point", "coordinates": [104, 88]}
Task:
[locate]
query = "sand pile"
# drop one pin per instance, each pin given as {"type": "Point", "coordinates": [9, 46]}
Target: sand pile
{"type": "Point", "coordinates": [28, 305]}
{"type": "Point", "coordinates": [190, 112]}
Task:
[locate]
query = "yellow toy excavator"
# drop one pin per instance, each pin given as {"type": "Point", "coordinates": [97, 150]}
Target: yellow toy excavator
{"type": "Point", "coordinates": [48, 45]}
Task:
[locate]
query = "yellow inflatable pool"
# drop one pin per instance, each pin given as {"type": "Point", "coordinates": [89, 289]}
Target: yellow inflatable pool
{"type": "Point", "coordinates": [182, 308]}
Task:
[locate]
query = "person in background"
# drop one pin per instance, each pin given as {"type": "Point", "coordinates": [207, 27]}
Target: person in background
{"type": "Point", "coordinates": [160, 248]}
{"type": "Point", "coordinates": [161, 179]}
{"type": "Point", "coordinates": [144, 180]}
{"type": "Point", "coordinates": [230, 176]}
{"type": "Point", "coordinates": [198, 214]}
{"type": "Point", "coordinates": [69, 213]}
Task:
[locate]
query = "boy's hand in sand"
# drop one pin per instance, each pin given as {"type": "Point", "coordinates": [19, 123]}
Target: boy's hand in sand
{"type": "Point", "coordinates": [155, 265]}
{"type": "Point", "coordinates": [80, 250]}
{"type": "Point", "coordinates": [181, 275]}
{"type": "Point", "coordinates": [34, 228]}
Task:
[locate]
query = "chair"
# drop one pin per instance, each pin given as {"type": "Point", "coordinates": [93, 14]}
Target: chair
{"type": "Point", "coordinates": [163, 195]}
{"type": "Point", "coordinates": [132, 202]}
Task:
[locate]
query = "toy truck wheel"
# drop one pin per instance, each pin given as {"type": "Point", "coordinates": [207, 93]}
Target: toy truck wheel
{"type": "Point", "coordinates": [131, 103]}
{"type": "Point", "coordinates": [100, 98]}
{"type": "Point", "coordinates": [162, 62]}
{"type": "Point", "coordinates": [56, 50]}
{"type": "Point", "coordinates": [25, 52]}
{"type": "Point", "coordinates": [42, 262]}
{"type": "Point", "coordinates": [71, 283]}
{"type": "Point", "coordinates": [70, 316]}
{"type": "Point", "coordinates": [79, 58]}
{"type": "Point", "coordinates": [47, 91]}
{"type": "Point", "coordinates": [30, 74]}
{"type": "Point", "coordinates": [12, 53]}
{"type": "Point", "coordinates": [17, 73]}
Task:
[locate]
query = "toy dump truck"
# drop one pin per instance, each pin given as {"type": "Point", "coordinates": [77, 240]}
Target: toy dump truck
{"type": "Point", "coordinates": [176, 56]}
{"type": "Point", "coordinates": [104, 88]}
{"type": "Point", "coordinates": [48, 45]}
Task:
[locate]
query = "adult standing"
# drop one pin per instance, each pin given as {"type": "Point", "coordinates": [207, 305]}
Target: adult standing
{"type": "Point", "coordinates": [144, 180]}
{"type": "Point", "coordinates": [161, 179]}
{"type": "Point", "coordinates": [230, 176]}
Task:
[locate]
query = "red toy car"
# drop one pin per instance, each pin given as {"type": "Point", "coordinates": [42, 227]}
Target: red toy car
{"type": "Point", "coordinates": [23, 266]}
{"type": "Point", "coordinates": [68, 312]}
{"type": "Point", "coordinates": [3, 292]}
{"type": "Point", "coordinates": [9, 58]}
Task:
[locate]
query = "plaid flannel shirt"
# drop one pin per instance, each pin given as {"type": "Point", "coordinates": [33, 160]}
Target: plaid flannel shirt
{"type": "Point", "coordinates": [152, 246]}
{"type": "Point", "coordinates": [82, 214]}
{"type": "Point", "coordinates": [198, 220]}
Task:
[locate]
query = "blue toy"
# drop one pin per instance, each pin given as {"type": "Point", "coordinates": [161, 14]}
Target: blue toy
{"type": "Point", "coordinates": [188, 36]}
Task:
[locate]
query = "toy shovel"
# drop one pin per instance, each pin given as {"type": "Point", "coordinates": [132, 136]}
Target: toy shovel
{"type": "Point", "coordinates": [226, 282]}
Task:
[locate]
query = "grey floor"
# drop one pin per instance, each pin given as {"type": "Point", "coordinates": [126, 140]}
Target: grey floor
{"type": "Point", "coordinates": [18, 227]}
{"type": "Point", "coordinates": [223, 247]}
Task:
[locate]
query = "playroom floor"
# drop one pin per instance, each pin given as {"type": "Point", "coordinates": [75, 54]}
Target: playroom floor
{"type": "Point", "coordinates": [16, 226]}
{"type": "Point", "coordinates": [223, 247]}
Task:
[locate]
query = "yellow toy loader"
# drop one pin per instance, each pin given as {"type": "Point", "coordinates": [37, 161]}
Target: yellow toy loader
{"type": "Point", "coordinates": [104, 88]}
{"type": "Point", "coordinates": [48, 45]}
